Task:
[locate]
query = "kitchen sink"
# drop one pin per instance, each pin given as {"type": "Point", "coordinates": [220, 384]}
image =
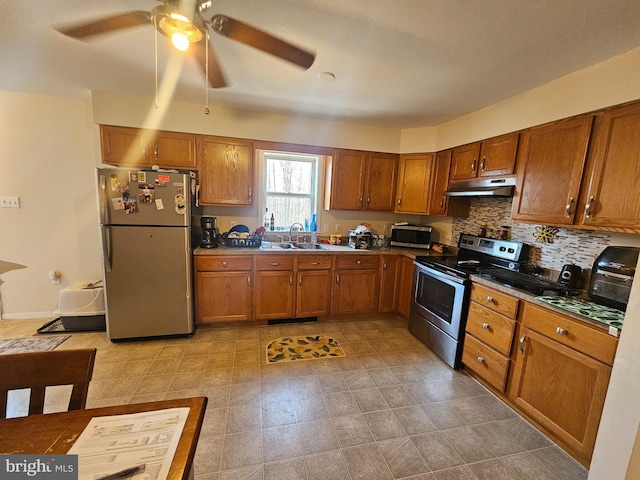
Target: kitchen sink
{"type": "Point", "coordinates": [293, 246]}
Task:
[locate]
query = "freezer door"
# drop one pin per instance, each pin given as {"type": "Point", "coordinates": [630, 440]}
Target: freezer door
{"type": "Point", "coordinates": [149, 290]}
{"type": "Point", "coordinates": [135, 197]}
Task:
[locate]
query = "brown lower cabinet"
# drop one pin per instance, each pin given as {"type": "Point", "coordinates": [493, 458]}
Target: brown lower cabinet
{"type": "Point", "coordinates": [405, 287]}
{"type": "Point", "coordinates": [356, 284]}
{"type": "Point", "coordinates": [554, 371]}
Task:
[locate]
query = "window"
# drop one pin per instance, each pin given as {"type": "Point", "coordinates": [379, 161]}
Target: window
{"type": "Point", "coordinates": [290, 187]}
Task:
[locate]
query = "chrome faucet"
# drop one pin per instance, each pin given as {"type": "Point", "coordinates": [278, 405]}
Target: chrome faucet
{"type": "Point", "coordinates": [291, 231]}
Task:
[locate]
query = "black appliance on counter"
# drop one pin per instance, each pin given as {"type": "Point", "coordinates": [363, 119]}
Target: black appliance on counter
{"type": "Point", "coordinates": [209, 232]}
{"type": "Point", "coordinates": [612, 276]}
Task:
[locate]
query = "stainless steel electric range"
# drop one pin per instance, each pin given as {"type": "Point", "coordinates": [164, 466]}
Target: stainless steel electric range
{"type": "Point", "coordinates": [441, 289]}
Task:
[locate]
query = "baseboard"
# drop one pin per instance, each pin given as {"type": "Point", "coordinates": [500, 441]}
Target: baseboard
{"type": "Point", "coordinates": [28, 316]}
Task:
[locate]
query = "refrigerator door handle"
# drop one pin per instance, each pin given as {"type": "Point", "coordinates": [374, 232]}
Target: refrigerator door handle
{"type": "Point", "coordinates": [104, 210]}
{"type": "Point", "coordinates": [106, 247]}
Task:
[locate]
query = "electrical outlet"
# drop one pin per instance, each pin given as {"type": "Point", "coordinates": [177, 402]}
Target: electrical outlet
{"type": "Point", "coordinates": [337, 227]}
{"type": "Point", "coordinates": [10, 202]}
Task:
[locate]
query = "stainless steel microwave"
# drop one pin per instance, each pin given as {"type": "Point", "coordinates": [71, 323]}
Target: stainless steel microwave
{"type": "Point", "coordinates": [411, 236]}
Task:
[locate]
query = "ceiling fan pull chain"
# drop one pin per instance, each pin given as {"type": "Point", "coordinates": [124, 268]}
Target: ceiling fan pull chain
{"type": "Point", "coordinates": [206, 73]}
{"type": "Point", "coordinates": [155, 24]}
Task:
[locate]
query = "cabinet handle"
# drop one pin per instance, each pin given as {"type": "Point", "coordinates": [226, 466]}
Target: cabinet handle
{"type": "Point", "coordinates": [155, 151]}
{"type": "Point", "coordinates": [290, 280]}
{"type": "Point", "coordinates": [489, 299]}
{"type": "Point", "coordinates": [249, 282]}
{"type": "Point", "coordinates": [587, 208]}
{"type": "Point", "coordinates": [482, 162]}
{"type": "Point", "coordinates": [521, 343]}
{"type": "Point", "coordinates": [358, 262]}
{"type": "Point", "coordinates": [314, 263]}
{"type": "Point", "coordinates": [399, 201]}
{"type": "Point", "coordinates": [486, 326]}
{"type": "Point", "coordinates": [250, 194]}
{"type": "Point", "coordinates": [473, 165]}
{"type": "Point", "coordinates": [337, 279]}
{"type": "Point", "coordinates": [568, 207]}
{"type": "Point", "coordinates": [384, 266]}
{"type": "Point", "coordinates": [368, 199]}
{"type": "Point", "coordinates": [224, 264]}
{"type": "Point", "coordinates": [300, 281]}
{"type": "Point", "coordinates": [275, 264]}
{"type": "Point", "coordinates": [360, 200]}
{"type": "Point", "coordinates": [562, 331]}
{"type": "Point", "coordinates": [442, 203]}
{"type": "Point", "coordinates": [480, 359]}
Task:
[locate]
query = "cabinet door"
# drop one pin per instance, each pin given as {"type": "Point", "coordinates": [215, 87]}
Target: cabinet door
{"type": "Point", "coordinates": [174, 150]}
{"type": "Point", "coordinates": [389, 275]}
{"type": "Point", "coordinates": [439, 183]}
{"type": "Point", "coordinates": [355, 291]}
{"type": "Point", "coordinates": [274, 294]}
{"type": "Point", "coordinates": [380, 182]}
{"type": "Point", "coordinates": [226, 169]}
{"type": "Point", "coordinates": [124, 146]}
{"type": "Point", "coordinates": [464, 162]}
{"type": "Point", "coordinates": [405, 289]}
{"type": "Point", "coordinates": [498, 155]}
{"type": "Point", "coordinates": [313, 293]}
{"type": "Point", "coordinates": [550, 162]}
{"type": "Point", "coordinates": [345, 180]}
{"type": "Point", "coordinates": [213, 291]}
{"type": "Point", "coordinates": [560, 388]}
{"type": "Point", "coordinates": [414, 176]}
{"type": "Point", "coordinates": [613, 196]}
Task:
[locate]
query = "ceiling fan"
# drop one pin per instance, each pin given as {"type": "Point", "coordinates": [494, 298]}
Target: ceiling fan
{"type": "Point", "coordinates": [189, 24]}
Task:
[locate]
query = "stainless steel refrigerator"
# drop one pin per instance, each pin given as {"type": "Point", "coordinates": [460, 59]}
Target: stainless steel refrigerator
{"type": "Point", "coordinates": [145, 220]}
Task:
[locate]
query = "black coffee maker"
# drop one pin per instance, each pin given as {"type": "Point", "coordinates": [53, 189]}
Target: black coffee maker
{"type": "Point", "coordinates": [209, 232]}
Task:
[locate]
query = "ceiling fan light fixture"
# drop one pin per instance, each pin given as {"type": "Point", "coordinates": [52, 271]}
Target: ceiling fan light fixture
{"type": "Point", "coordinates": [177, 27]}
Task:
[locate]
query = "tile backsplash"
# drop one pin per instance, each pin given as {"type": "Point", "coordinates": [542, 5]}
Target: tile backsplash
{"type": "Point", "coordinates": [569, 245]}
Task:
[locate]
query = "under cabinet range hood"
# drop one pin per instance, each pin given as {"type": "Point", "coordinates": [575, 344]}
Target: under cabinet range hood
{"type": "Point", "coordinates": [484, 187]}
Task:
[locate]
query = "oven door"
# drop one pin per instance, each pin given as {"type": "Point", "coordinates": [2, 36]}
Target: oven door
{"type": "Point", "coordinates": [442, 299]}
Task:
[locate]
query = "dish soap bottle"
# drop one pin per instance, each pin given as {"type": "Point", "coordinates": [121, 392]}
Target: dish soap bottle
{"type": "Point", "coordinates": [266, 222]}
{"type": "Point", "coordinates": [272, 222]}
{"type": "Point", "coordinates": [313, 226]}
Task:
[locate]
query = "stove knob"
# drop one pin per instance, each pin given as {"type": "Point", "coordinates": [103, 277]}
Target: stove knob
{"type": "Point", "coordinates": [512, 266]}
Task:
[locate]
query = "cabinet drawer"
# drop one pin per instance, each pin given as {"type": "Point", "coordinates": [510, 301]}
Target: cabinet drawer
{"type": "Point", "coordinates": [314, 262]}
{"type": "Point", "coordinates": [584, 338]}
{"type": "Point", "coordinates": [274, 262]}
{"type": "Point", "coordinates": [353, 262]}
{"type": "Point", "coordinates": [216, 263]}
{"type": "Point", "coordinates": [495, 300]}
{"type": "Point", "coordinates": [487, 363]}
{"type": "Point", "coordinates": [491, 328]}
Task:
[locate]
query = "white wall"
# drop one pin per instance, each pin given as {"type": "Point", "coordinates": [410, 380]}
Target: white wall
{"type": "Point", "coordinates": [48, 150]}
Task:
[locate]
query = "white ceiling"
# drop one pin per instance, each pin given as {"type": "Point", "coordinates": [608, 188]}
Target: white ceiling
{"type": "Point", "coordinates": [397, 63]}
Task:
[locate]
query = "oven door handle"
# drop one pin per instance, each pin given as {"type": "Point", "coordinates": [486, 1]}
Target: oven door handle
{"type": "Point", "coordinates": [444, 277]}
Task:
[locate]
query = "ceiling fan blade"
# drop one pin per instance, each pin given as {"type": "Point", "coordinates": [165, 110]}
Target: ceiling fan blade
{"type": "Point", "coordinates": [216, 77]}
{"type": "Point", "coordinates": [107, 24]}
{"type": "Point", "coordinates": [241, 32]}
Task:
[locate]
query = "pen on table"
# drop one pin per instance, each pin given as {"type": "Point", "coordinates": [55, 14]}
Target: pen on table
{"type": "Point", "coordinates": [124, 473]}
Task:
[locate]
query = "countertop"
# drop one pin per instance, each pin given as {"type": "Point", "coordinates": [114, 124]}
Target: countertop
{"type": "Point", "coordinates": [330, 249]}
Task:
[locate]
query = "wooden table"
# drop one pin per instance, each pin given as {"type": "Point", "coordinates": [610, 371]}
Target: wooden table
{"type": "Point", "coordinates": [57, 432]}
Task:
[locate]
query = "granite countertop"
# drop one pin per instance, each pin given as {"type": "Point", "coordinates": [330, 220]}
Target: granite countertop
{"type": "Point", "coordinates": [529, 297]}
{"type": "Point", "coordinates": [330, 249]}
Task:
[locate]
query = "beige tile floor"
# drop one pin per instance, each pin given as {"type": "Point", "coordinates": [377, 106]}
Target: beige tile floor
{"type": "Point", "coordinates": [390, 409]}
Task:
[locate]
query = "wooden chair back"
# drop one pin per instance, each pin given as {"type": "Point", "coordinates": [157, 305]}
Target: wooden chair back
{"type": "Point", "coordinates": [38, 370]}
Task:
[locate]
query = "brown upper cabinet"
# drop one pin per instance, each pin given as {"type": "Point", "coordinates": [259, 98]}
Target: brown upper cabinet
{"type": "Point", "coordinates": [489, 158]}
{"type": "Point", "coordinates": [144, 148]}
{"type": "Point", "coordinates": [414, 177]}
{"type": "Point", "coordinates": [226, 167]}
{"type": "Point", "coordinates": [551, 160]}
{"type": "Point", "coordinates": [438, 201]}
{"type": "Point", "coordinates": [359, 180]}
{"type": "Point", "coordinates": [611, 186]}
